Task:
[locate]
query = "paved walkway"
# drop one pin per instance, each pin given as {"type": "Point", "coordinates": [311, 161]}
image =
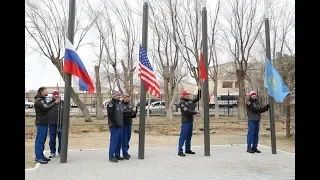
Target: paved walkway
{"type": "Point", "coordinates": [162, 163]}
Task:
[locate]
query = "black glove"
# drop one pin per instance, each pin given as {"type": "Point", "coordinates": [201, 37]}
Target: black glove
{"type": "Point", "coordinates": [267, 106]}
{"type": "Point", "coordinates": [117, 126]}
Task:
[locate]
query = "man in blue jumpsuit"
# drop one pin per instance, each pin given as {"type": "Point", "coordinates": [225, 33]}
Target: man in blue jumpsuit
{"type": "Point", "coordinates": [129, 112]}
{"type": "Point", "coordinates": [55, 124]}
{"type": "Point", "coordinates": [42, 121]}
{"type": "Point", "coordinates": [254, 110]}
{"type": "Point", "coordinates": [115, 121]}
{"type": "Point", "coordinates": [187, 107]}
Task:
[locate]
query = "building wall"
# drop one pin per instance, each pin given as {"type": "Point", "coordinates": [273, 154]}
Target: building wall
{"type": "Point", "coordinates": [227, 79]}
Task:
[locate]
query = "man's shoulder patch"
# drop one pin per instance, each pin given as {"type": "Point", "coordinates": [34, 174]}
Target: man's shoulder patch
{"type": "Point", "coordinates": [110, 105]}
{"type": "Point", "coordinates": [185, 108]}
{"type": "Point", "coordinates": [248, 102]}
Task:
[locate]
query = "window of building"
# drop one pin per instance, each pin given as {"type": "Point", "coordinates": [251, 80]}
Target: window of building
{"type": "Point", "coordinates": [227, 84]}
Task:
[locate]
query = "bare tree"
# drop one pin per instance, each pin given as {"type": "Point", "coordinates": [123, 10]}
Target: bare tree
{"type": "Point", "coordinates": [213, 57]}
{"type": "Point", "coordinates": [282, 17]}
{"type": "Point", "coordinates": [93, 13]}
{"type": "Point", "coordinates": [107, 35]}
{"type": "Point", "coordinates": [99, 98]}
{"type": "Point", "coordinates": [286, 67]}
{"type": "Point", "coordinates": [167, 48]}
{"type": "Point", "coordinates": [240, 35]}
{"type": "Point", "coordinates": [189, 35]}
{"type": "Point", "coordinates": [46, 23]}
{"type": "Point", "coordinates": [125, 16]}
{"type": "Point", "coordinates": [110, 45]}
{"type": "Point", "coordinates": [281, 27]}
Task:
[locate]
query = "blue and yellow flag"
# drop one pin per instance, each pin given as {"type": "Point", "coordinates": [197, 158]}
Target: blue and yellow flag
{"type": "Point", "coordinates": [273, 82]}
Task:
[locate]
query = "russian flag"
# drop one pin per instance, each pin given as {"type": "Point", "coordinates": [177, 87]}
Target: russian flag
{"type": "Point", "coordinates": [74, 66]}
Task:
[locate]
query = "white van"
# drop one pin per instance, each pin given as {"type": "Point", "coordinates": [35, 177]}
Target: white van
{"type": "Point", "coordinates": [223, 100]}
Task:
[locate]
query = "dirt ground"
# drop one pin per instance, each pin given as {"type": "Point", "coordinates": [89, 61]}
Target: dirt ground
{"type": "Point", "coordinates": [159, 132]}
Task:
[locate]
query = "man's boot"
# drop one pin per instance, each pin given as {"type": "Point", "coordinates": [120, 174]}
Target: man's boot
{"type": "Point", "coordinates": [250, 151]}
{"type": "Point", "coordinates": [41, 161]}
{"type": "Point", "coordinates": [256, 150]}
{"type": "Point", "coordinates": [113, 159]}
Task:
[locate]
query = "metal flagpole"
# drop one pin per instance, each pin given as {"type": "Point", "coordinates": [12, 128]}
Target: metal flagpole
{"type": "Point", "coordinates": [67, 92]}
{"type": "Point", "coordinates": [205, 85]}
{"type": "Point", "coordinates": [142, 123]}
{"type": "Point", "coordinates": [271, 101]}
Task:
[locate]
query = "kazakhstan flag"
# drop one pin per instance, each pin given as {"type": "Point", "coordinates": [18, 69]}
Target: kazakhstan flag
{"type": "Point", "coordinates": [273, 82]}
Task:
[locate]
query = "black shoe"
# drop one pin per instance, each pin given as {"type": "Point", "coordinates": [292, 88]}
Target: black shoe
{"type": "Point", "coordinates": [256, 150]}
{"type": "Point", "coordinates": [126, 157]}
{"type": "Point", "coordinates": [113, 160]}
{"type": "Point", "coordinates": [250, 151]}
{"type": "Point", "coordinates": [46, 159]}
{"type": "Point", "coordinates": [129, 155]}
{"type": "Point", "coordinates": [41, 161]}
{"type": "Point", "coordinates": [181, 154]}
{"type": "Point", "coordinates": [119, 158]}
{"type": "Point", "coordinates": [190, 152]}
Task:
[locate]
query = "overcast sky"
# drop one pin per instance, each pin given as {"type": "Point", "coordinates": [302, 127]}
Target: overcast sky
{"type": "Point", "coordinates": [41, 72]}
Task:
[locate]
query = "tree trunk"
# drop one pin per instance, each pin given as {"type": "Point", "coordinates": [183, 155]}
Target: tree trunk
{"type": "Point", "coordinates": [169, 111]}
{"type": "Point", "coordinates": [288, 119]}
{"type": "Point", "coordinates": [216, 101]}
{"type": "Point", "coordinates": [242, 94]}
{"type": "Point", "coordinates": [74, 96]}
{"type": "Point", "coordinates": [99, 98]}
{"type": "Point", "coordinates": [167, 92]}
{"type": "Point", "coordinates": [81, 106]}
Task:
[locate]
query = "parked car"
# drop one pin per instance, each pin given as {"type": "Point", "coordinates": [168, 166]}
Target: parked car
{"type": "Point", "coordinates": [147, 101]}
{"type": "Point", "coordinates": [156, 107]}
{"type": "Point", "coordinates": [28, 104]}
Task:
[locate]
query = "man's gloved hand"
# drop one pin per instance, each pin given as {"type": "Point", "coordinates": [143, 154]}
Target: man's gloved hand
{"type": "Point", "coordinates": [267, 106]}
{"type": "Point", "coordinates": [117, 126]}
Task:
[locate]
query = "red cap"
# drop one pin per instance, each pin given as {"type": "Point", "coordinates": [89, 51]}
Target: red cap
{"type": "Point", "coordinates": [55, 92]}
{"type": "Point", "coordinates": [185, 92]}
{"type": "Point", "coordinates": [252, 93]}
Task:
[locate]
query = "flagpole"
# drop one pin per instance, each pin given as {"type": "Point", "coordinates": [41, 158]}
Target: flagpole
{"type": "Point", "coordinates": [205, 86]}
{"type": "Point", "coordinates": [67, 91]}
{"type": "Point", "coordinates": [142, 123]}
{"type": "Point", "coordinates": [271, 101]}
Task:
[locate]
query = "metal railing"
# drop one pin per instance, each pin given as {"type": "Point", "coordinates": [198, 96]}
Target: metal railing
{"type": "Point", "coordinates": [90, 102]}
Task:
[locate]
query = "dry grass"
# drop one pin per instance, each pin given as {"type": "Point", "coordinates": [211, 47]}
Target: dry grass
{"type": "Point", "coordinates": [159, 132]}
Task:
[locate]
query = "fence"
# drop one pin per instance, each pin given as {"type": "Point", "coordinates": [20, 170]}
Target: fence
{"type": "Point", "coordinates": [90, 101]}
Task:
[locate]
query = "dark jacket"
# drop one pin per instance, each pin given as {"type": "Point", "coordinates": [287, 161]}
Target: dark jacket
{"type": "Point", "coordinates": [55, 114]}
{"type": "Point", "coordinates": [254, 109]}
{"type": "Point", "coordinates": [128, 113]}
{"type": "Point", "coordinates": [115, 113]}
{"type": "Point", "coordinates": [188, 107]}
{"type": "Point", "coordinates": [42, 108]}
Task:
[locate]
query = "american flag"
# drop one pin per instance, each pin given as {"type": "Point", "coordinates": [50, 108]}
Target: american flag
{"type": "Point", "coordinates": [147, 75]}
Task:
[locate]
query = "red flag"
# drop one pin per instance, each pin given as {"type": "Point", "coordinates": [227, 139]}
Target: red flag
{"type": "Point", "coordinates": [203, 74]}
